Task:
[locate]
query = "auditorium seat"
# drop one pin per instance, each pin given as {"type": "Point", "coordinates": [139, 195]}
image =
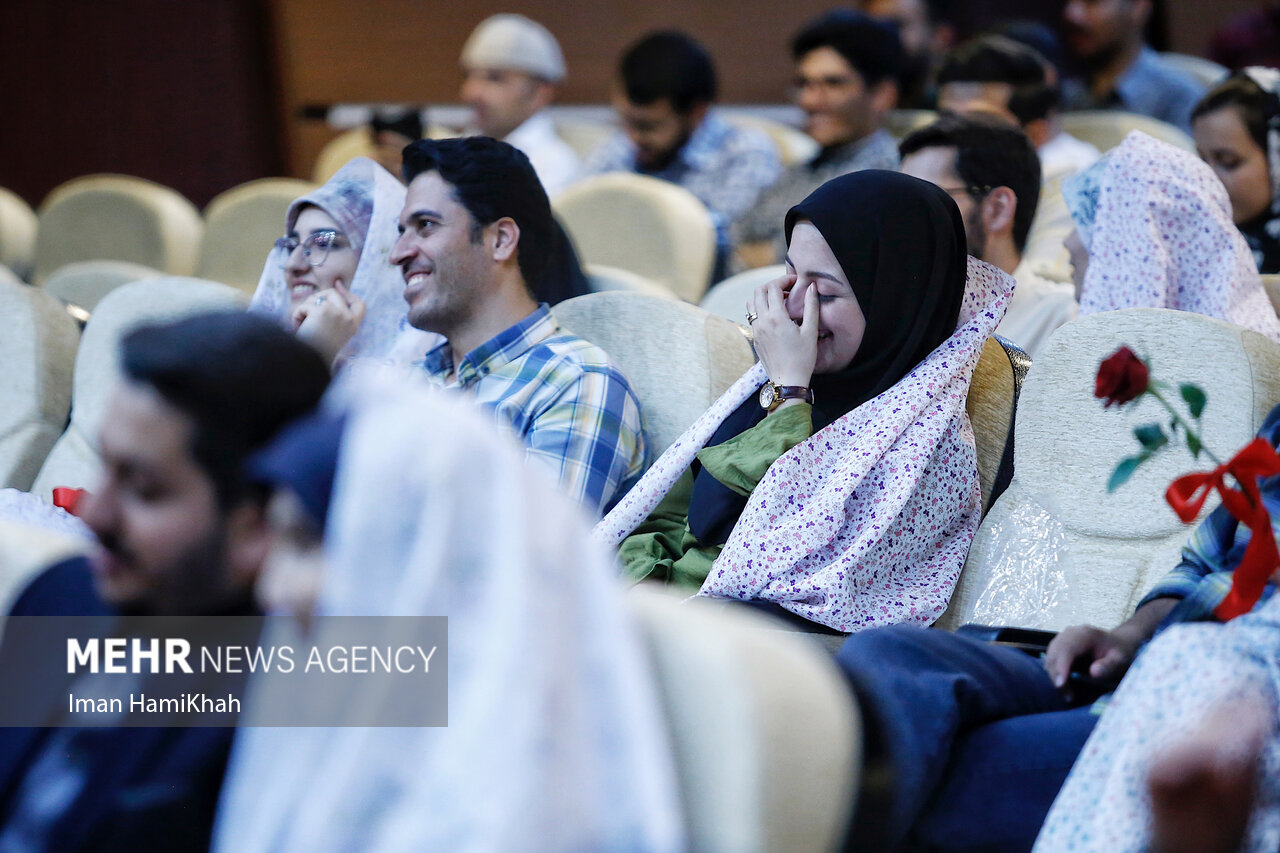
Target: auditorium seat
{"type": "Point", "coordinates": [678, 358]}
{"type": "Point", "coordinates": [1272, 284]}
{"type": "Point", "coordinates": [899, 123]}
{"type": "Point", "coordinates": [241, 225]}
{"type": "Point", "coordinates": [38, 341]}
{"type": "Point", "coordinates": [648, 226]}
{"type": "Point", "coordinates": [602, 278]}
{"type": "Point", "coordinates": [728, 298]}
{"type": "Point", "coordinates": [85, 283]}
{"type": "Point", "coordinates": [794, 146]}
{"type": "Point", "coordinates": [118, 218]}
{"type": "Point", "coordinates": [1207, 72]}
{"type": "Point", "coordinates": [337, 152]}
{"type": "Point", "coordinates": [766, 734]}
{"type": "Point", "coordinates": [17, 234]}
{"type": "Point", "coordinates": [583, 135]}
{"type": "Point", "coordinates": [74, 458]}
{"type": "Point", "coordinates": [991, 405]}
{"type": "Point", "coordinates": [1057, 549]}
{"type": "Point", "coordinates": [1107, 128]}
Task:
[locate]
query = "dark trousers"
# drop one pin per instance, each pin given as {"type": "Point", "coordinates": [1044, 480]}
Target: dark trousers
{"type": "Point", "coordinates": [968, 743]}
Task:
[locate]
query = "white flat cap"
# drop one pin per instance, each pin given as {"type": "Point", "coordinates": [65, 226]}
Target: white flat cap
{"type": "Point", "coordinates": [517, 43]}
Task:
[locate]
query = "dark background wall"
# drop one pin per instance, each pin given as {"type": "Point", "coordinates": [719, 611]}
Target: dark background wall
{"type": "Point", "coordinates": [201, 95]}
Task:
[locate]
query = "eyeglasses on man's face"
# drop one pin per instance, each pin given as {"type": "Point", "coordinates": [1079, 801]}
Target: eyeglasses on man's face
{"type": "Point", "coordinates": [315, 248]}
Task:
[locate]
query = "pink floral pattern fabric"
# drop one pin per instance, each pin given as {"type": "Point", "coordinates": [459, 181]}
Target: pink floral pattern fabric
{"type": "Point", "coordinates": [867, 522]}
{"type": "Point", "coordinates": [1104, 806]}
{"type": "Point", "coordinates": [1157, 224]}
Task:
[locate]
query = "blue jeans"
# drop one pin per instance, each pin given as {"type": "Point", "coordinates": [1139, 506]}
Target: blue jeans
{"type": "Point", "coordinates": [975, 741]}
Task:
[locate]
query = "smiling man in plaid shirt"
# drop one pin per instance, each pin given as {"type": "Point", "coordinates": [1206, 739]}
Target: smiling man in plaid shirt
{"type": "Point", "coordinates": [476, 235]}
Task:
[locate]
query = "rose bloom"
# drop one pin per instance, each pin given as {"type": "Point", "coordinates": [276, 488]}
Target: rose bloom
{"type": "Point", "coordinates": [1121, 377]}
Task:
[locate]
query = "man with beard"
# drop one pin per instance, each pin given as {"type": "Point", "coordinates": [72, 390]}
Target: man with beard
{"type": "Point", "coordinates": [927, 32]}
{"type": "Point", "coordinates": [475, 232]}
{"type": "Point", "coordinates": [1120, 70]}
{"type": "Point", "coordinates": [667, 84]}
{"type": "Point", "coordinates": [182, 533]}
{"type": "Point", "coordinates": [991, 170]}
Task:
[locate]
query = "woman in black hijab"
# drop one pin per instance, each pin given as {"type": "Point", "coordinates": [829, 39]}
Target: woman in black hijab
{"type": "Point", "coordinates": [876, 267]}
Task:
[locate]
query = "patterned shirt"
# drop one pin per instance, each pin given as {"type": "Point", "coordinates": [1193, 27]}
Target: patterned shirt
{"type": "Point", "coordinates": [1203, 577]}
{"type": "Point", "coordinates": [763, 222]}
{"type": "Point", "coordinates": [563, 396]}
{"type": "Point", "coordinates": [726, 167]}
{"type": "Point", "coordinates": [1148, 86]}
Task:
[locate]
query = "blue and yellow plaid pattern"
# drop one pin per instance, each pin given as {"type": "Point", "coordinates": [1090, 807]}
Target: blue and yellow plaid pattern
{"type": "Point", "coordinates": [571, 406]}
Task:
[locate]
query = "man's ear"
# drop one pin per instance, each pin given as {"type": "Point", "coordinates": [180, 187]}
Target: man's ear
{"type": "Point", "coordinates": [998, 209]}
{"type": "Point", "coordinates": [248, 541]}
{"type": "Point", "coordinates": [884, 96]}
{"type": "Point", "coordinates": [506, 237]}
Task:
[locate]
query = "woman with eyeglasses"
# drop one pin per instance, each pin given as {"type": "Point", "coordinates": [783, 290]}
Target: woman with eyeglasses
{"type": "Point", "coordinates": [328, 278]}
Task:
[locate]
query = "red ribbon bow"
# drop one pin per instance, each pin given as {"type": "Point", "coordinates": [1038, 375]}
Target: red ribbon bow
{"type": "Point", "coordinates": [67, 498]}
{"type": "Point", "coordinates": [1187, 495]}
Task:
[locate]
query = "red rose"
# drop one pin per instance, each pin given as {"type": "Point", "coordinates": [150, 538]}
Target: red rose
{"type": "Point", "coordinates": [1121, 378]}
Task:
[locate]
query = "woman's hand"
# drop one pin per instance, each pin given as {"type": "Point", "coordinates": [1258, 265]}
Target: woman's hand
{"type": "Point", "coordinates": [788, 351]}
{"type": "Point", "coordinates": [328, 320]}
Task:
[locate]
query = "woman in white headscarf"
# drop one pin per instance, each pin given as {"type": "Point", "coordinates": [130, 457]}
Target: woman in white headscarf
{"type": "Point", "coordinates": [554, 742]}
{"type": "Point", "coordinates": [329, 279]}
{"type": "Point", "coordinates": [1154, 229]}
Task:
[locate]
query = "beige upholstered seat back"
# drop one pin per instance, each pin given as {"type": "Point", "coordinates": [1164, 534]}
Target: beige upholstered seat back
{"type": "Point", "coordinates": [603, 279]}
{"type": "Point", "coordinates": [583, 135]}
{"type": "Point", "coordinates": [1207, 72]}
{"type": "Point", "coordinates": [74, 459]}
{"type": "Point", "coordinates": [993, 394]}
{"type": "Point", "coordinates": [240, 226]}
{"type": "Point", "coordinates": [678, 358]}
{"type": "Point", "coordinates": [644, 225]}
{"type": "Point", "coordinates": [337, 152]}
{"type": "Point", "coordinates": [118, 218]}
{"type": "Point", "coordinates": [899, 123]}
{"type": "Point", "coordinates": [1107, 128]}
{"type": "Point", "coordinates": [17, 233]}
{"type": "Point", "coordinates": [728, 298]}
{"type": "Point", "coordinates": [85, 283]}
{"type": "Point", "coordinates": [38, 342]}
{"type": "Point", "coordinates": [1057, 549]}
{"type": "Point", "coordinates": [1272, 285]}
{"type": "Point", "coordinates": [766, 733]}
{"type": "Point", "coordinates": [794, 146]}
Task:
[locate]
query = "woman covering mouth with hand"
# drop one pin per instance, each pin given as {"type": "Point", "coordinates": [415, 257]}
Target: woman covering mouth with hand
{"type": "Point", "coordinates": [328, 279]}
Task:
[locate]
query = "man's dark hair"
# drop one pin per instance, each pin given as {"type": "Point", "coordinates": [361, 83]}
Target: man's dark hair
{"type": "Point", "coordinates": [872, 47]}
{"type": "Point", "coordinates": [996, 59]}
{"type": "Point", "coordinates": [492, 179]}
{"type": "Point", "coordinates": [668, 65]}
{"type": "Point", "coordinates": [989, 154]}
{"type": "Point", "coordinates": [239, 377]}
{"type": "Point", "coordinates": [1247, 97]}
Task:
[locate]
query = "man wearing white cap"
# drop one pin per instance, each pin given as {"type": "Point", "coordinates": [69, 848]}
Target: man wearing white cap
{"type": "Point", "coordinates": [511, 66]}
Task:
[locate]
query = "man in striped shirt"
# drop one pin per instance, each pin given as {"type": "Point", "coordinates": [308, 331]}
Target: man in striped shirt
{"type": "Point", "coordinates": [476, 235]}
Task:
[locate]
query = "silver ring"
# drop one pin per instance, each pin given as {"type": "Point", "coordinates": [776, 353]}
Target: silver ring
{"type": "Point", "coordinates": [751, 317]}
{"type": "Point", "coordinates": [319, 300]}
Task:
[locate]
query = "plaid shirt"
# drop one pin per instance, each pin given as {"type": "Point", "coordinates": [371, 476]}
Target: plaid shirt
{"type": "Point", "coordinates": [1203, 576]}
{"type": "Point", "coordinates": [563, 396]}
{"type": "Point", "coordinates": [726, 167]}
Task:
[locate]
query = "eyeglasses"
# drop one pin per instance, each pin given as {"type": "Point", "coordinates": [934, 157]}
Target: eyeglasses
{"type": "Point", "coordinates": [315, 248]}
{"type": "Point", "coordinates": [975, 192]}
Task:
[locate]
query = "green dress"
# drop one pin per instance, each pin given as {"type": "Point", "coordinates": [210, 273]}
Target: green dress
{"type": "Point", "coordinates": [662, 547]}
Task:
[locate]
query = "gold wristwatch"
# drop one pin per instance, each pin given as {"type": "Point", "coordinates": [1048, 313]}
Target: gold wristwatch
{"type": "Point", "coordinates": [772, 394]}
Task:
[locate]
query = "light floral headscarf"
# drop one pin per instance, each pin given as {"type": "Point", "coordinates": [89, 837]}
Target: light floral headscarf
{"type": "Point", "coordinates": [1158, 227]}
{"type": "Point", "coordinates": [867, 522]}
{"type": "Point", "coordinates": [365, 200]}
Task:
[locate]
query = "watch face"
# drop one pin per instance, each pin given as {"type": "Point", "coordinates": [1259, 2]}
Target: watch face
{"type": "Point", "coordinates": [767, 395]}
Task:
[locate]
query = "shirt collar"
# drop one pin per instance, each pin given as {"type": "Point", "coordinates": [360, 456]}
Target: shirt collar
{"type": "Point", "coordinates": [495, 353]}
{"type": "Point", "coordinates": [535, 130]}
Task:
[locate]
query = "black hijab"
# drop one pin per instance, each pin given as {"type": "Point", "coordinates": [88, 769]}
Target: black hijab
{"type": "Point", "coordinates": [901, 244]}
